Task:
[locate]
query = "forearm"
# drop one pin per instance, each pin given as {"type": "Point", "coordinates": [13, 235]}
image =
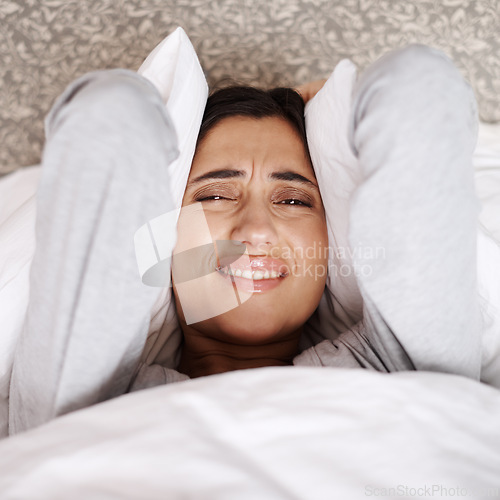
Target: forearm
{"type": "Point", "coordinates": [104, 174]}
{"type": "Point", "coordinates": [413, 218]}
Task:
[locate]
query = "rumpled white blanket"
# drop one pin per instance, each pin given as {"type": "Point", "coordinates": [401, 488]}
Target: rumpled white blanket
{"type": "Point", "coordinates": [269, 433]}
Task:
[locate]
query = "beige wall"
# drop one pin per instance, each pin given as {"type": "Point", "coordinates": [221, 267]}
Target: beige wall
{"type": "Point", "coordinates": [46, 44]}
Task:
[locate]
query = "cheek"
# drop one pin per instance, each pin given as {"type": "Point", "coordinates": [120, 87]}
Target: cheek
{"type": "Point", "coordinates": [311, 237]}
{"type": "Point", "coordinates": [309, 246]}
{"type": "Point", "coordinates": [219, 224]}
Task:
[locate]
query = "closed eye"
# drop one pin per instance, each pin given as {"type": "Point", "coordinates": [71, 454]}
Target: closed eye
{"type": "Point", "coordinates": [293, 201]}
{"type": "Point", "coordinates": [214, 197]}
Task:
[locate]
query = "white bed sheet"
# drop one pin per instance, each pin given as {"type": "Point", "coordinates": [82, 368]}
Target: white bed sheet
{"type": "Point", "coordinates": [269, 433]}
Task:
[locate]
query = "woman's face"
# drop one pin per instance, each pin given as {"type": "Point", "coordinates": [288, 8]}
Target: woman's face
{"type": "Point", "coordinates": [253, 183]}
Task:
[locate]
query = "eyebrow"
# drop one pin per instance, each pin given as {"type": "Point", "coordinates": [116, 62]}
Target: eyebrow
{"type": "Point", "coordinates": [228, 173]}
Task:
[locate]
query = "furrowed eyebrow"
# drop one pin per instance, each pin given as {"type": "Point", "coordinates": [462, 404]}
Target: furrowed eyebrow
{"type": "Point", "coordinates": [291, 176]}
{"type": "Point", "coordinates": [228, 173]}
{"type": "Point", "coordinates": [225, 173]}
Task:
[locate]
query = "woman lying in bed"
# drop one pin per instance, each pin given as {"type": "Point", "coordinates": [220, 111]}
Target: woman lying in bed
{"type": "Point", "coordinates": [251, 258]}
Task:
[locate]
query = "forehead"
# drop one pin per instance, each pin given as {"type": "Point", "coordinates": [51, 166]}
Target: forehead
{"type": "Point", "coordinates": [259, 142]}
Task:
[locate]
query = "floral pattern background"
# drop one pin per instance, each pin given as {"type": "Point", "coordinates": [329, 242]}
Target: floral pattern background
{"type": "Point", "coordinates": [44, 44]}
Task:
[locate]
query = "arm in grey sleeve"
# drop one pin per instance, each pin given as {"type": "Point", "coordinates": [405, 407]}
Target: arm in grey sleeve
{"type": "Point", "coordinates": [413, 219]}
{"type": "Point", "coordinates": [104, 174]}
{"type": "Point", "coordinates": [352, 349]}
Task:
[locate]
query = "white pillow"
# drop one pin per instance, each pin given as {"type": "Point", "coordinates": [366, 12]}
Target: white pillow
{"type": "Point", "coordinates": [337, 172]}
{"type": "Point", "coordinates": [173, 67]}
{"type": "Point", "coordinates": [17, 245]}
{"type": "Point", "coordinates": [487, 176]}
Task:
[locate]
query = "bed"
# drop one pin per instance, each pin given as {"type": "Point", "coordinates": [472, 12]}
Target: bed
{"type": "Point", "coordinates": [269, 433]}
{"type": "Point", "coordinates": [294, 432]}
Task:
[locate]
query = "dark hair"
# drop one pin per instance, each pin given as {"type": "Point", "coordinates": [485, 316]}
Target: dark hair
{"type": "Point", "coordinates": [281, 102]}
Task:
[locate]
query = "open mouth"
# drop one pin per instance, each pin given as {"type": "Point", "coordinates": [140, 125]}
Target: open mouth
{"type": "Point", "coordinates": [254, 274]}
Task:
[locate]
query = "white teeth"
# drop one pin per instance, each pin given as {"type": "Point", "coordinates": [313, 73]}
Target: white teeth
{"type": "Point", "coordinates": [256, 275]}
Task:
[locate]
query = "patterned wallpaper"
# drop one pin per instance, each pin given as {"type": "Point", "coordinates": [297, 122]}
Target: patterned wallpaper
{"type": "Point", "coordinates": [44, 44]}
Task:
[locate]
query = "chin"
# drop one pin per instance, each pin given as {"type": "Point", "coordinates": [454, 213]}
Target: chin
{"type": "Point", "coordinates": [254, 325]}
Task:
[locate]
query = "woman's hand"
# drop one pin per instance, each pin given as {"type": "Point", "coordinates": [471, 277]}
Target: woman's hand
{"type": "Point", "coordinates": [310, 89]}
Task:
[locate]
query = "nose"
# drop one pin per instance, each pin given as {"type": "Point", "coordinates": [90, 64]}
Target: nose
{"type": "Point", "coordinates": [254, 226]}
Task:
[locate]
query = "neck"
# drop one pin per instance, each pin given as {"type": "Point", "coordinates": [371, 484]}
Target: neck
{"type": "Point", "coordinates": [203, 355]}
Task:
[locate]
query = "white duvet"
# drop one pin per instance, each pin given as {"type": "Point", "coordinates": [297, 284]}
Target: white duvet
{"type": "Point", "coordinates": [269, 433]}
